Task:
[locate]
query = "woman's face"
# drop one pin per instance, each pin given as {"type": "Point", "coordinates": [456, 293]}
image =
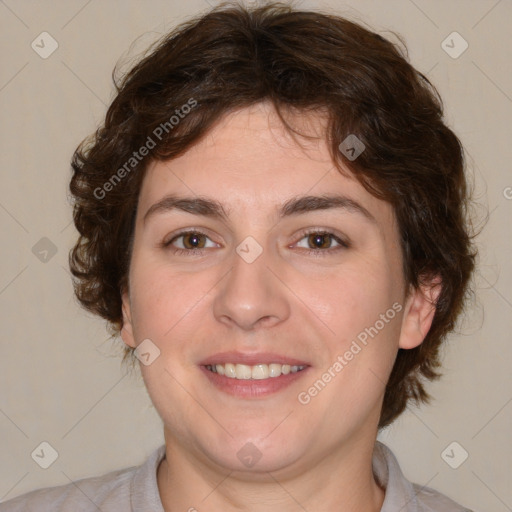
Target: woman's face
{"type": "Point", "coordinates": [251, 251]}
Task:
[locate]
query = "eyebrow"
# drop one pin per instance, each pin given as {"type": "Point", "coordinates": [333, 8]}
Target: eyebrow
{"type": "Point", "coordinates": [294, 206]}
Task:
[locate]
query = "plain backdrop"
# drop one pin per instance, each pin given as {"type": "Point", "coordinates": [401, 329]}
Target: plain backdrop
{"type": "Point", "coordinates": [61, 380]}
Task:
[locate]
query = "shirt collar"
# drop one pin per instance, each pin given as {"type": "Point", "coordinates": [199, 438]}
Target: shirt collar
{"type": "Point", "coordinates": [144, 492]}
{"type": "Point", "coordinates": [399, 492]}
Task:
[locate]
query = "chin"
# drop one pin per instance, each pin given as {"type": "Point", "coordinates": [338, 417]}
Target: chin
{"type": "Point", "coordinates": [251, 455]}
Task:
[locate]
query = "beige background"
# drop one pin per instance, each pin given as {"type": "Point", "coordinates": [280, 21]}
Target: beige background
{"type": "Point", "coordinates": [60, 378]}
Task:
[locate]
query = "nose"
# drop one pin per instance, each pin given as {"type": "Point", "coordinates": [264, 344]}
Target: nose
{"type": "Point", "coordinates": [251, 296]}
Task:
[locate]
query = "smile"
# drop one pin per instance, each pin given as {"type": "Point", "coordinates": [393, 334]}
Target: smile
{"type": "Point", "coordinates": [255, 372]}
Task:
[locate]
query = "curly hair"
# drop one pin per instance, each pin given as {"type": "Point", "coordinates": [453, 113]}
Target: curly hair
{"type": "Point", "coordinates": [233, 57]}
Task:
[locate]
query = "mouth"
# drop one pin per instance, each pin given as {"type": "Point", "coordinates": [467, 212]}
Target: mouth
{"type": "Point", "coordinates": [255, 372]}
{"type": "Point", "coordinates": [252, 375]}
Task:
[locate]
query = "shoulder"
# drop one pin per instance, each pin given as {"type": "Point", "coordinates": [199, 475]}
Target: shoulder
{"type": "Point", "coordinates": [400, 494]}
{"type": "Point", "coordinates": [433, 501]}
{"type": "Point", "coordinates": [112, 492]}
{"type": "Point", "coordinates": [81, 496]}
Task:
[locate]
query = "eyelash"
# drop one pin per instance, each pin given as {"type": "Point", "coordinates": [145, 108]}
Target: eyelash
{"type": "Point", "coordinates": [343, 244]}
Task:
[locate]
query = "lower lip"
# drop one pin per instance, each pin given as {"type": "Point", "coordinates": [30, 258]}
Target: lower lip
{"type": "Point", "coordinates": [252, 388]}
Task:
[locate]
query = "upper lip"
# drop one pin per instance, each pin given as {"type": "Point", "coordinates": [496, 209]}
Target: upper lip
{"type": "Point", "coordinates": [251, 359]}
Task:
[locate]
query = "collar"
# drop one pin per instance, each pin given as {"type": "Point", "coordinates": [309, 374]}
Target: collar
{"type": "Point", "coordinates": [399, 492]}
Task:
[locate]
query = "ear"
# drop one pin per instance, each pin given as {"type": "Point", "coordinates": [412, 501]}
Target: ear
{"type": "Point", "coordinates": [419, 313]}
{"type": "Point", "coordinates": [127, 329]}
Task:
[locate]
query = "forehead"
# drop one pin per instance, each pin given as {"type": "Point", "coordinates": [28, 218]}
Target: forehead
{"type": "Point", "coordinates": [249, 161]}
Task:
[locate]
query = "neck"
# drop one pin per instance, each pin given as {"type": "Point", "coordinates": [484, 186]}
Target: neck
{"type": "Point", "coordinates": [342, 480]}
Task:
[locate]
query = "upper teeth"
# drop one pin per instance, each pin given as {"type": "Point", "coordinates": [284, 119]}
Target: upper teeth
{"type": "Point", "coordinates": [258, 371]}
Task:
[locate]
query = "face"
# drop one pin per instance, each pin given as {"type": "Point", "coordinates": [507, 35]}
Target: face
{"type": "Point", "coordinates": [256, 254]}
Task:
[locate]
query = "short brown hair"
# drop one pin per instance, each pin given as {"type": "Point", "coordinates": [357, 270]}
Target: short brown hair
{"type": "Point", "coordinates": [234, 57]}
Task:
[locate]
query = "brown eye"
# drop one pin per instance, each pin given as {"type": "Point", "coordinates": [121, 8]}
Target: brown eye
{"type": "Point", "coordinates": [189, 241]}
{"type": "Point", "coordinates": [320, 240]}
{"type": "Point", "coordinates": [193, 240]}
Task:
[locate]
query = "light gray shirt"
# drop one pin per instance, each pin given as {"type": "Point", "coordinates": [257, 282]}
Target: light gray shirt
{"type": "Point", "coordinates": [135, 490]}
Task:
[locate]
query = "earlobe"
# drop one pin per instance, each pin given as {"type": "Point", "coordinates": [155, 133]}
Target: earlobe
{"type": "Point", "coordinates": [127, 329]}
{"type": "Point", "coordinates": [419, 313]}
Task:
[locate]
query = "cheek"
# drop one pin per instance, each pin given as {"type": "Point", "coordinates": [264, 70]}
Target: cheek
{"type": "Point", "coordinates": [359, 309]}
{"type": "Point", "coordinates": [165, 301]}
{"type": "Point", "coordinates": [361, 304]}
{"type": "Point", "coordinates": [353, 298]}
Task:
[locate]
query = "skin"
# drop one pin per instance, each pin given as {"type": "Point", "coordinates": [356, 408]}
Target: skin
{"type": "Point", "coordinates": [295, 299]}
